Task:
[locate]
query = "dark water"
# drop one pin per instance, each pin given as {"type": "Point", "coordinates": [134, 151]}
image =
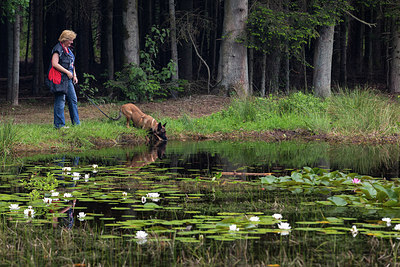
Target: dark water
{"type": "Point", "coordinates": [208, 157]}
{"type": "Point", "coordinates": [192, 208]}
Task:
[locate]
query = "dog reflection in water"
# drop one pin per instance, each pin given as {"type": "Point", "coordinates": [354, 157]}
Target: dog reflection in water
{"type": "Point", "coordinates": [156, 151]}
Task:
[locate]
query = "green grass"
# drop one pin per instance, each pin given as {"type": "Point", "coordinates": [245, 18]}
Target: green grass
{"type": "Point", "coordinates": [363, 111]}
{"type": "Point", "coordinates": [358, 112]}
{"type": "Point", "coordinates": [7, 140]}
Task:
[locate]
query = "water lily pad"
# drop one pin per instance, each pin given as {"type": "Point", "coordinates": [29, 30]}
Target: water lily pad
{"type": "Point", "coordinates": [187, 239]}
{"type": "Point", "coordinates": [110, 237]}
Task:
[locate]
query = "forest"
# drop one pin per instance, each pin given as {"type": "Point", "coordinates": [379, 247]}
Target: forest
{"type": "Point", "coordinates": [147, 49]}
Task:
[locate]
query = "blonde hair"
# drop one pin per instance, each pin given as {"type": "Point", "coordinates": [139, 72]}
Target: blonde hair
{"type": "Point", "coordinates": [67, 35]}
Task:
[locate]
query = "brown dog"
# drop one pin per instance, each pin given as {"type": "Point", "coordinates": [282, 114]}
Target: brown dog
{"type": "Point", "coordinates": [141, 120]}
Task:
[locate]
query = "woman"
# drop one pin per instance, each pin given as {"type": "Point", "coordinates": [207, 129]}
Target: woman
{"type": "Point", "coordinates": [62, 76]}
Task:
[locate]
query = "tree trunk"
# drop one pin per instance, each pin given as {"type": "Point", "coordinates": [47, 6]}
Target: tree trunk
{"type": "Point", "coordinates": [251, 70]}
{"type": "Point", "coordinates": [343, 52]}
{"type": "Point", "coordinates": [273, 70]}
{"type": "Point", "coordinates": [174, 47]}
{"type": "Point", "coordinates": [186, 60]}
{"type": "Point", "coordinates": [16, 58]}
{"type": "Point", "coordinates": [84, 45]}
{"type": "Point", "coordinates": [108, 54]}
{"type": "Point", "coordinates": [323, 62]}
{"type": "Point", "coordinates": [214, 37]}
{"type": "Point", "coordinates": [131, 33]}
{"type": "Point", "coordinates": [263, 74]}
{"type": "Point", "coordinates": [287, 72]}
{"type": "Point", "coordinates": [369, 47]}
{"type": "Point", "coordinates": [28, 37]}
{"type": "Point", "coordinates": [394, 82]}
{"type": "Point", "coordinates": [233, 66]}
{"type": "Point", "coordinates": [38, 66]}
{"type": "Point", "coordinates": [10, 59]}
{"type": "Point", "coordinates": [361, 48]}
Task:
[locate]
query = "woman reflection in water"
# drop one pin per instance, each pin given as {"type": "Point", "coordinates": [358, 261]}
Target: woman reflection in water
{"type": "Point", "coordinates": [66, 221]}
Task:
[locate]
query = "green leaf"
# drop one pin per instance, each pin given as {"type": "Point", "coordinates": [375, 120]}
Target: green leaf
{"type": "Point", "coordinates": [369, 191]}
{"type": "Point", "coordinates": [338, 201]}
{"type": "Point", "coordinates": [270, 179]}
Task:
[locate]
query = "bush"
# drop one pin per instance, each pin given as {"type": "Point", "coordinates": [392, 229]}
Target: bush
{"type": "Point", "coordinates": [144, 82]}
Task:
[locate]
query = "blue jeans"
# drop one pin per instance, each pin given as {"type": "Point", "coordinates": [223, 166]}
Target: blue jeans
{"type": "Point", "coordinates": [59, 104]}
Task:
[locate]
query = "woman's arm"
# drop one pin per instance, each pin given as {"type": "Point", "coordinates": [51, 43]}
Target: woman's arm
{"type": "Point", "coordinates": [55, 63]}
{"type": "Point", "coordinates": [75, 77]}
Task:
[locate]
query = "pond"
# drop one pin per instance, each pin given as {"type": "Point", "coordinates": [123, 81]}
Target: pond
{"type": "Point", "coordinates": [206, 203]}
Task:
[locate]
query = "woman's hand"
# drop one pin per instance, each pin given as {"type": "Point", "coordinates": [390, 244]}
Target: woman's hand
{"type": "Point", "coordinates": [75, 80]}
{"type": "Point", "coordinates": [69, 74]}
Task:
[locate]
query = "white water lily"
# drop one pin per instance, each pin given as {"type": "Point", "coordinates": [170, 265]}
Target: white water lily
{"type": "Point", "coordinates": [388, 221]}
{"type": "Point", "coordinates": [29, 212]}
{"type": "Point", "coordinates": [95, 167]}
{"type": "Point", "coordinates": [76, 175]}
{"type": "Point", "coordinates": [87, 176]}
{"type": "Point", "coordinates": [55, 193]}
{"type": "Point", "coordinates": [47, 200]}
{"type": "Point", "coordinates": [254, 219]}
{"type": "Point", "coordinates": [233, 227]}
{"type": "Point", "coordinates": [284, 226]}
{"type": "Point", "coordinates": [277, 216]}
{"type": "Point", "coordinates": [141, 237]}
{"type": "Point", "coordinates": [153, 196]}
{"type": "Point", "coordinates": [284, 232]}
{"type": "Point", "coordinates": [397, 227]}
{"type": "Point", "coordinates": [67, 195]}
{"type": "Point", "coordinates": [124, 194]}
{"type": "Point", "coordinates": [14, 207]}
{"type": "Point", "coordinates": [143, 199]}
{"type": "Point", "coordinates": [81, 216]}
{"type": "Point", "coordinates": [66, 169]}
{"type": "Point", "coordinates": [354, 230]}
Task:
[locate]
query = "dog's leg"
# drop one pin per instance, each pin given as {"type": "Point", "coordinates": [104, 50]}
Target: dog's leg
{"type": "Point", "coordinates": [127, 122]}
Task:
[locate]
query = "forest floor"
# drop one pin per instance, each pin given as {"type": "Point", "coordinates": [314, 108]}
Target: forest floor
{"type": "Point", "coordinates": [41, 110]}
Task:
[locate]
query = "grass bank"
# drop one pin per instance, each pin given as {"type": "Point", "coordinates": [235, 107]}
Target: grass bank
{"type": "Point", "coordinates": [358, 113]}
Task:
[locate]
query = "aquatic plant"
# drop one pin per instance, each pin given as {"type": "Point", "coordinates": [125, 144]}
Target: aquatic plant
{"type": "Point", "coordinates": [368, 191]}
{"type": "Point", "coordinates": [195, 219]}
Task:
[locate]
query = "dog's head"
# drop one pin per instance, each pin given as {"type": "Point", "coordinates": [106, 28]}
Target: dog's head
{"type": "Point", "coordinates": [160, 132]}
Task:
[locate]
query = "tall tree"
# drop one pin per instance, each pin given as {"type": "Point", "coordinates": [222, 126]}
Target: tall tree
{"type": "Point", "coordinates": [323, 62]}
{"type": "Point", "coordinates": [394, 83]}
{"type": "Point", "coordinates": [233, 65]}
{"type": "Point", "coordinates": [13, 10]}
{"type": "Point", "coordinates": [343, 52]}
{"type": "Point", "coordinates": [174, 45]}
{"type": "Point", "coordinates": [108, 33]}
{"type": "Point", "coordinates": [392, 8]}
{"type": "Point", "coordinates": [37, 51]}
{"type": "Point", "coordinates": [131, 32]}
{"type": "Point", "coordinates": [186, 59]}
{"type": "Point", "coordinates": [15, 58]}
{"type": "Point", "coordinates": [327, 13]}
